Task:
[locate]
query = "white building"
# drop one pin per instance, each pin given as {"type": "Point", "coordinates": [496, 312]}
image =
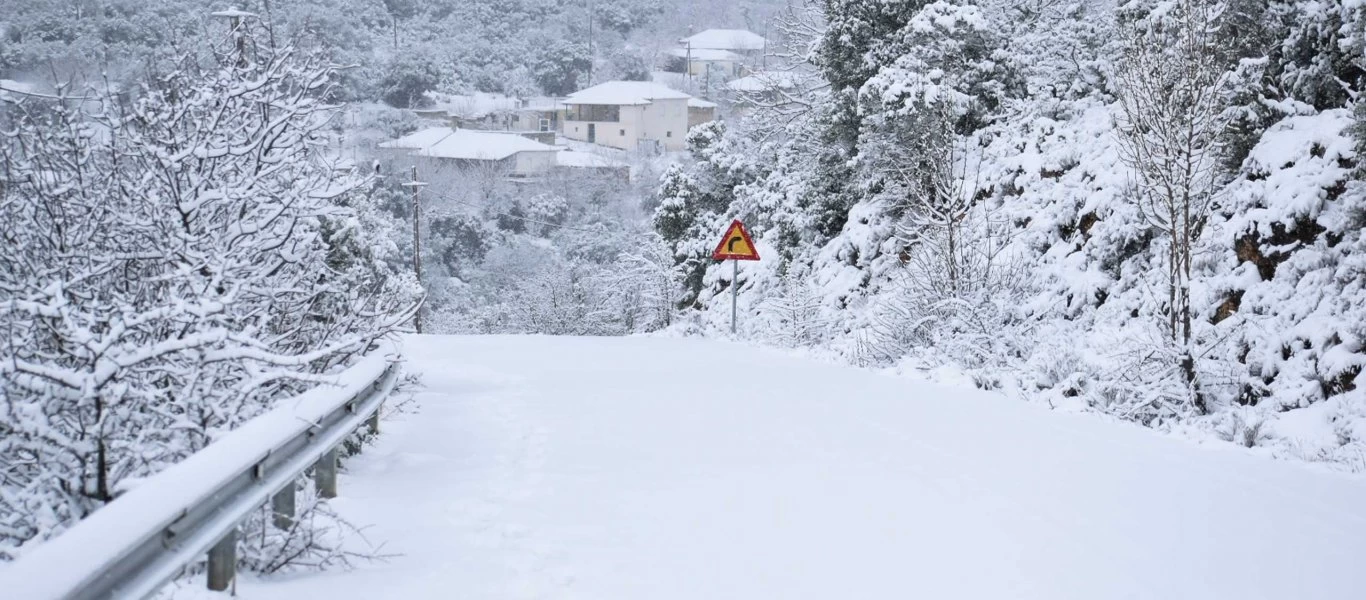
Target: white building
{"type": "Point", "coordinates": [494, 112]}
{"type": "Point", "coordinates": [444, 146]}
{"type": "Point", "coordinates": [712, 57]}
{"type": "Point", "coordinates": [629, 115]}
{"type": "Point", "coordinates": [699, 61]}
{"type": "Point", "coordinates": [739, 41]}
{"type": "Point", "coordinates": [700, 111]}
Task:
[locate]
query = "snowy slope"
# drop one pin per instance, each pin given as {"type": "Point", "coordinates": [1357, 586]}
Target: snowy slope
{"type": "Point", "coordinates": [625, 468]}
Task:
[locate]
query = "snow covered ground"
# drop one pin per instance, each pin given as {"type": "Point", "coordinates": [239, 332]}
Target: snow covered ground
{"type": "Point", "coordinates": [628, 468]}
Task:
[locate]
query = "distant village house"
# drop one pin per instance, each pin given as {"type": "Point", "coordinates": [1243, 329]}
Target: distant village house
{"type": "Point", "coordinates": [700, 111]}
{"type": "Point", "coordinates": [631, 115]}
{"type": "Point", "coordinates": [495, 112]}
{"type": "Point", "coordinates": [732, 50]}
{"type": "Point", "coordinates": [511, 153]}
{"type": "Point", "coordinates": [438, 147]}
{"type": "Point", "coordinates": [699, 62]}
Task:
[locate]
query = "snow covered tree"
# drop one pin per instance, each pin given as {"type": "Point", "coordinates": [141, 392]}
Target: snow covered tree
{"type": "Point", "coordinates": [185, 254]}
{"type": "Point", "coordinates": [563, 68]}
{"type": "Point", "coordinates": [695, 203]}
{"type": "Point", "coordinates": [1170, 88]}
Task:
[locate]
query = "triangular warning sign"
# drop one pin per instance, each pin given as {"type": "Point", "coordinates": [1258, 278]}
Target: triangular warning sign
{"type": "Point", "coordinates": [736, 244]}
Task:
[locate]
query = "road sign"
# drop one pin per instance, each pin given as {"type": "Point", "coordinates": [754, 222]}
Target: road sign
{"type": "Point", "coordinates": [736, 244]}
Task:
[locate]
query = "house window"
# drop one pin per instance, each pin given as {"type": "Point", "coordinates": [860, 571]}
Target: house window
{"type": "Point", "coordinates": [623, 133]}
{"type": "Point", "coordinates": [668, 134]}
{"type": "Point", "coordinates": [595, 112]}
{"type": "Point", "coordinates": [516, 119]}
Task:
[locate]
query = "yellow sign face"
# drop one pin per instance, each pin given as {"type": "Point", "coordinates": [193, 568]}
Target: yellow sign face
{"type": "Point", "coordinates": [736, 244]}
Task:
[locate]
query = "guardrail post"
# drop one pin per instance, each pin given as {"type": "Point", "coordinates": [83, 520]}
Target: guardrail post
{"type": "Point", "coordinates": [373, 421]}
{"type": "Point", "coordinates": [282, 507]}
{"type": "Point", "coordinates": [325, 475]}
{"type": "Point", "coordinates": [223, 562]}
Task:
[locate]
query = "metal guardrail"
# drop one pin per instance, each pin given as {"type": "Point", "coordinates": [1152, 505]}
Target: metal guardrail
{"type": "Point", "coordinates": [136, 544]}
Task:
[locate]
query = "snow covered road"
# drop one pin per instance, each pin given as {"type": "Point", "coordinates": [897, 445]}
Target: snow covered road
{"type": "Point", "coordinates": [635, 468]}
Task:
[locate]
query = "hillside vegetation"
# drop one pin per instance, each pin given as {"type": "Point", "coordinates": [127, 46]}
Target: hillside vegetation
{"type": "Point", "coordinates": [1150, 209]}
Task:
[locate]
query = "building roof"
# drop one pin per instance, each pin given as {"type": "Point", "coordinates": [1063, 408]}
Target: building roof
{"type": "Point", "coordinates": [725, 39]}
{"type": "Point", "coordinates": [468, 144]}
{"type": "Point", "coordinates": [625, 92]}
{"type": "Point", "coordinates": [232, 13]}
{"type": "Point", "coordinates": [700, 103]}
{"type": "Point", "coordinates": [705, 54]}
{"type": "Point", "coordinates": [419, 140]}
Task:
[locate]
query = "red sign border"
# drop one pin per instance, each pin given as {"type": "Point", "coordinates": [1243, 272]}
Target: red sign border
{"type": "Point", "coordinates": [717, 254]}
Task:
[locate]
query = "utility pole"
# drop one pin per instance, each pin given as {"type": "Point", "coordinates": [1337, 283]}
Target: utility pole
{"type": "Point", "coordinates": [417, 241]}
{"type": "Point", "coordinates": [591, 9]}
{"type": "Point", "coordinates": [687, 60]}
{"type": "Point", "coordinates": [687, 66]}
{"type": "Point", "coordinates": [235, 17]}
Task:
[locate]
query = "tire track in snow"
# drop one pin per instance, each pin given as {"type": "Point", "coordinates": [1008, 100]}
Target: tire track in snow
{"type": "Point", "coordinates": [536, 567]}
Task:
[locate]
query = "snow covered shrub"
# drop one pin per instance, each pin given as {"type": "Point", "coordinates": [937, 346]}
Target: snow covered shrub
{"type": "Point", "coordinates": [317, 538]}
{"type": "Point", "coordinates": [973, 326]}
{"type": "Point", "coordinates": [793, 314]}
{"type": "Point", "coordinates": [1289, 287]}
{"type": "Point", "coordinates": [644, 285]}
{"type": "Point", "coordinates": [177, 258]}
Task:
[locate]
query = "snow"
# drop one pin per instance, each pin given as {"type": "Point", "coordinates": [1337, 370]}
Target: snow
{"type": "Point", "coordinates": [761, 82]}
{"type": "Point", "coordinates": [157, 501]}
{"type": "Point", "coordinates": [618, 468]}
{"type": "Point", "coordinates": [10, 85]}
{"type": "Point", "coordinates": [474, 106]}
{"type": "Point", "coordinates": [482, 145]}
{"type": "Point", "coordinates": [570, 158]}
{"type": "Point", "coordinates": [625, 92]}
{"type": "Point", "coordinates": [677, 81]}
{"type": "Point", "coordinates": [725, 39]}
{"type": "Point", "coordinates": [419, 140]}
{"type": "Point", "coordinates": [482, 104]}
{"type": "Point", "coordinates": [232, 13]}
{"type": "Point", "coordinates": [700, 103]}
{"type": "Point", "coordinates": [706, 54]}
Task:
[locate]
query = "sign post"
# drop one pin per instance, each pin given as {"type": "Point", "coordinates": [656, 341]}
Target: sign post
{"type": "Point", "coordinates": [735, 245]}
